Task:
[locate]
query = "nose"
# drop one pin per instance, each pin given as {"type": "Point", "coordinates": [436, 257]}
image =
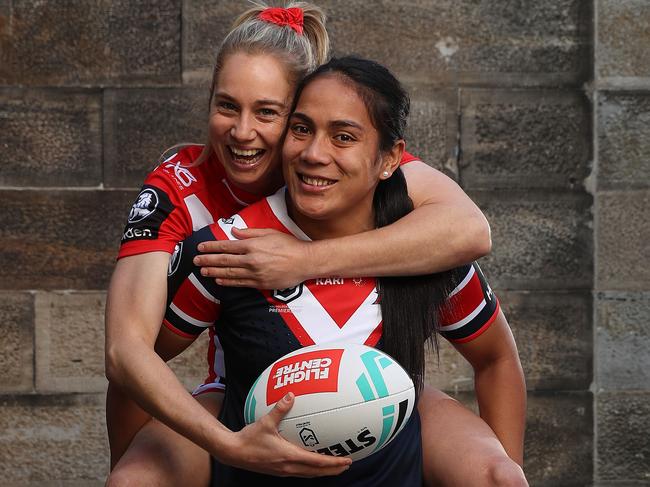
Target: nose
{"type": "Point", "coordinates": [243, 130]}
{"type": "Point", "coordinates": [316, 151]}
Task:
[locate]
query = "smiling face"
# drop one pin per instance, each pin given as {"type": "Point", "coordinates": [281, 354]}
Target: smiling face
{"type": "Point", "coordinates": [249, 110]}
{"type": "Point", "coordinates": [332, 162]}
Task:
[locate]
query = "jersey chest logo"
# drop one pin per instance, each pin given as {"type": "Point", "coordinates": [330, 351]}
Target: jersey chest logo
{"type": "Point", "coordinates": [341, 311]}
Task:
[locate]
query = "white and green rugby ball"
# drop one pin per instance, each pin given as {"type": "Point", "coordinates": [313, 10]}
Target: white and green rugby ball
{"type": "Point", "coordinates": [351, 400]}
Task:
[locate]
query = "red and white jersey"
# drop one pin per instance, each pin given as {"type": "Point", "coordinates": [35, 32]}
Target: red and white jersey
{"type": "Point", "coordinates": [178, 198]}
{"type": "Point", "coordinates": [317, 311]}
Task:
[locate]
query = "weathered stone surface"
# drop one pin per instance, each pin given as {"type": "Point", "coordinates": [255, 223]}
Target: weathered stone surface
{"type": "Point", "coordinates": [70, 345]}
{"type": "Point", "coordinates": [527, 138]}
{"type": "Point", "coordinates": [53, 438]}
{"type": "Point", "coordinates": [140, 124]}
{"type": "Point", "coordinates": [553, 332]}
{"type": "Point", "coordinates": [60, 239]}
{"type": "Point", "coordinates": [622, 56]}
{"type": "Point", "coordinates": [78, 43]}
{"type": "Point", "coordinates": [559, 440]}
{"type": "Point", "coordinates": [541, 240]}
{"type": "Point", "coordinates": [445, 41]}
{"type": "Point", "coordinates": [433, 127]}
{"type": "Point", "coordinates": [70, 342]}
{"type": "Point", "coordinates": [622, 252]}
{"type": "Point", "coordinates": [205, 24]}
{"type": "Point", "coordinates": [16, 341]}
{"type": "Point", "coordinates": [623, 140]}
{"type": "Point", "coordinates": [623, 425]}
{"type": "Point", "coordinates": [50, 138]}
{"type": "Point", "coordinates": [622, 337]}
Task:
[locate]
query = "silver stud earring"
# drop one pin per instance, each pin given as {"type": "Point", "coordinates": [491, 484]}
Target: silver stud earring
{"type": "Point", "coordinates": [385, 174]}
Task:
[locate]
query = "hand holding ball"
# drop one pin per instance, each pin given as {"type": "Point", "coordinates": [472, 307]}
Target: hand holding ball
{"type": "Point", "coordinates": [351, 400]}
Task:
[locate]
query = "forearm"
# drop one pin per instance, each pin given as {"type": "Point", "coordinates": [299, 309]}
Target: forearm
{"type": "Point", "coordinates": [501, 395]}
{"type": "Point", "coordinates": [143, 375]}
{"type": "Point", "coordinates": [432, 238]}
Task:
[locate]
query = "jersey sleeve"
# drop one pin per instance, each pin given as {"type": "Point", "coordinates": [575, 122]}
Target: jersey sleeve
{"type": "Point", "coordinates": [470, 308]}
{"type": "Point", "coordinates": [193, 302]}
{"type": "Point", "coordinates": [157, 220]}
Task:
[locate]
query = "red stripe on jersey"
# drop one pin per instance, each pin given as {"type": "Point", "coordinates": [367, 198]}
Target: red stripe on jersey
{"type": "Point", "coordinates": [464, 302]}
{"type": "Point", "coordinates": [290, 320]}
{"type": "Point", "coordinates": [483, 328]}
{"type": "Point", "coordinates": [175, 330]}
{"type": "Point", "coordinates": [329, 297]}
{"type": "Point", "coordinates": [194, 304]}
{"type": "Point", "coordinates": [408, 157]}
{"type": "Point", "coordinates": [264, 218]}
{"type": "Point", "coordinates": [375, 336]}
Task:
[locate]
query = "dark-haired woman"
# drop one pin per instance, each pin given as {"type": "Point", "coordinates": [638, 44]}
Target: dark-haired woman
{"type": "Point", "coordinates": [341, 164]}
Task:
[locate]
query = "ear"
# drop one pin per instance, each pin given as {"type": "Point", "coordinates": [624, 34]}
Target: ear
{"type": "Point", "coordinates": [390, 160]}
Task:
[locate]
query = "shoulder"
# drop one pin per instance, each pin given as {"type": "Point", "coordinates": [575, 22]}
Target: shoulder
{"type": "Point", "coordinates": [178, 175]}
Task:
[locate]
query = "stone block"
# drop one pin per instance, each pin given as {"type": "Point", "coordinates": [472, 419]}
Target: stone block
{"type": "Point", "coordinates": [622, 57]}
{"type": "Point", "coordinates": [205, 24]}
{"type": "Point", "coordinates": [525, 139]}
{"type": "Point", "coordinates": [622, 337]}
{"type": "Point", "coordinates": [623, 140]}
{"type": "Point", "coordinates": [16, 342]}
{"type": "Point", "coordinates": [60, 239]}
{"type": "Point", "coordinates": [70, 342]}
{"type": "Point", "coordinates": [541, 240]}
{"type": "Point", "coordinates": [57, 438]}
{"type": "Point", "coordinates": [623, 425]}
{"type": "Point", "coordinates": [140, 124]}
{"type": "Point", "coordinates": [50, 138]}
{"type": "Point", "coordinates": [446, 41]}
{"type": "Point", "coordinates": [433, 127]}
{"type": "Point", "coordinates": [623, 232]}
{"type": "Point", "coordinates": [559, 439]}
{"type": "Point", "coordinates": [101, 43]}
{"type": "Point", "coordinates": [70, 345]}
{"type": "Point", "coordinates": [553, 332]}
{"type": "Point", "coordinates": [558, 447]}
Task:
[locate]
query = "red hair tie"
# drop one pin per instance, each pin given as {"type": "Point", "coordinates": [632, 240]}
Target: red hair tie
{"type": "Point", "coordinates": [284, 16]}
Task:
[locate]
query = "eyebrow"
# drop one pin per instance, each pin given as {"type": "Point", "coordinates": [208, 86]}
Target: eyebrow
{"type": "Point", "coordinates": [335, 123]}
{"type": "Point", "coordinates": [263, 101]}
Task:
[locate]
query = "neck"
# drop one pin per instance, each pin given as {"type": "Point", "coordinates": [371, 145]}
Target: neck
{"type": "Point", "coordinates": [351, 222]}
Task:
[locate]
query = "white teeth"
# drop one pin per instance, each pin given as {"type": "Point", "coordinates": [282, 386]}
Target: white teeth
{"type": "Point", "coordinates": [245, 153]}
{"type": "Point", "coordinates": [317, 181]}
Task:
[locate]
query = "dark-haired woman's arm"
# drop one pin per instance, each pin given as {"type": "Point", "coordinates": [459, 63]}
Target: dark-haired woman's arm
{"type": "Point", "coordinates": [499, 384]}
{"type": "Point", "coordinates": [445, 230]}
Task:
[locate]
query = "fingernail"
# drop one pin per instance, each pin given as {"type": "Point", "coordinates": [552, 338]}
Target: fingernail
{"type": "Point", "coordinates": [219, 281]}
{"type": "Point", "coordinates": [201, 247]}
{"type": "Point", "coordinates": [196, 261]}
{"type": "Point", "coordinates": [204, 272]}
{"type": "Point", "coordinates": [288, 396]}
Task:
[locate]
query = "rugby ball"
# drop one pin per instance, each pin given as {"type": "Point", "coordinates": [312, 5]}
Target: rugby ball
{"type": "Point", "coordinates": [350, 399]}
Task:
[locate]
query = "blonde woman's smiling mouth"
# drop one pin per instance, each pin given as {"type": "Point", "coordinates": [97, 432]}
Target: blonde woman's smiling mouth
{"type": "Point", "coordinates": [246, 157]}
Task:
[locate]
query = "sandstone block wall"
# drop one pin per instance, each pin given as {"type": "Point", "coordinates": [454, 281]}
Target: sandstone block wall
{"type": "Point", "coordinates": [540, 110]}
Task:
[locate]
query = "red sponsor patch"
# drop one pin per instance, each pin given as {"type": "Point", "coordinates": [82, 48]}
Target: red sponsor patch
{"type": "Point", "coordinates": [305, 373]}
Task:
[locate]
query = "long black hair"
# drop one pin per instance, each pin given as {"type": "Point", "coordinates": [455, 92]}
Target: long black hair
{"type": "Point", "coordinates": [409, 304]}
